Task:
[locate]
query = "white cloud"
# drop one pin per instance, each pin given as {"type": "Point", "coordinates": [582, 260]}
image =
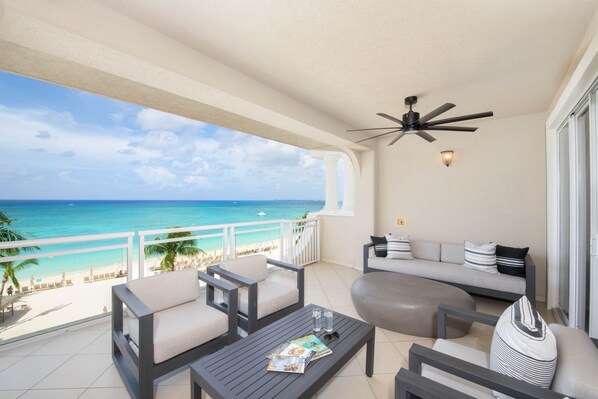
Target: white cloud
{"type": "Point", "coordinates": [151, 119]}
{"type": "Point", "coordinates": [198, 181]}
{"type": "Point", "coordinates": [42, 135]}
{"type": "Point", "coordinates": [68, 154]}
{"type": "Point", "coordinates": [197, 166]}
{"type": "Point", "coordinates": [165, 141]}
{"type": "Point", "coordinates": [156, 176]}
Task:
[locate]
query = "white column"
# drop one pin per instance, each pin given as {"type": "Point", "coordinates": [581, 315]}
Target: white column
{"type": "Point", "coordinates": [348, 187]}
{"type": "Point", "coordinates": [330, 162]}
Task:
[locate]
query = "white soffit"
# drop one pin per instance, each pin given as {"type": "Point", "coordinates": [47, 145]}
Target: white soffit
{"type": "Point", "coordinates": [351, 59]}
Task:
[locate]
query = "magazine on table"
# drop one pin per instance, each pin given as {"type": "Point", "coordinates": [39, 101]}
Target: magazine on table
{"type": "Point", "coordinates": [287, 364]}
{"type": "Point", "coordinates": [313, 343]}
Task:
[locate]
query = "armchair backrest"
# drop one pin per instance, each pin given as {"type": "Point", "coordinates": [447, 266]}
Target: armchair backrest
{"type": "Point", "coordinates": [254, 267]}
{"type": "Point", "coordinates": [166, 290]}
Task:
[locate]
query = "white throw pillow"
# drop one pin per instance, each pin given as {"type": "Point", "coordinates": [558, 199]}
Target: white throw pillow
{"type": "Point", "coordinates": [480, 257]}
{"type": "Point", "coordinates": [398, 247]}
{"type": "Point", "coordinates": [523, 346]}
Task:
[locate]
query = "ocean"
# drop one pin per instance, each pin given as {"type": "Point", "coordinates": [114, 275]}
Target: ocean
{"type": "Point", "coordinates": [49, 219]}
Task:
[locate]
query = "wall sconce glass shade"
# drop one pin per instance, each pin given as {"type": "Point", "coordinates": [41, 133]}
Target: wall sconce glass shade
{"type": "Point", "coordinates": [447, 157]}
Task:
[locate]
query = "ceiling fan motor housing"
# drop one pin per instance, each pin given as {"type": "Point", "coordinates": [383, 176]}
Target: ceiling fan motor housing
{"type": "Point", "coordinates": [410, 118]}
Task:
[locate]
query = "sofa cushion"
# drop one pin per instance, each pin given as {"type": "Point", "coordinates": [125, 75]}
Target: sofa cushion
{"type": "Point", "coordinates": [523, 346]}
{"type": "Point", "coordinates": [466, 353]}
{"type": "Point", "coordinates": [481, 257]}
{"type": "Point", "coordinates": [166, 290]}
{"type": "Point", "coordinates": [452, 253]}
{"type": "Point", "coordinates": [380, 246]}
{"type": "Point", "coordinates": [450, 273]}
{"type": "Point", "coordinates": [254, 267]}
{"type": "Point", "coordinates": [398, 247]}
{"type": "Point", "coordinates": [181, 328]}
{"type": "Point", "coordinates": [427, 250]}
{"type": "Point", "coordinates": [577, 363]}
{"type": "Point", "coordinates": [511, 260]}
{"type": "Point", "coordinates": [271, 297]}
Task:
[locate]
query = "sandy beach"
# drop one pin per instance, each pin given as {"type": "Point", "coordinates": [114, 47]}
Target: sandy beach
{"type": "Point", "coordinates": [84, 294]}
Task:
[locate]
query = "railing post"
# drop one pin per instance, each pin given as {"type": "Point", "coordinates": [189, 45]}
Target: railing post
{"type": "Point", "coordinates": [141, 255]}
{"type": "Point", "coordinates": [130, 256]}
{"type": "Point", "coordinates": [232, 248]}
{"type": "Point", "coordinates": [283, 256]}
{"type": "Point", "coordinates": [224, 243]}
{"type": "Point", "coordinates": [318, 247]}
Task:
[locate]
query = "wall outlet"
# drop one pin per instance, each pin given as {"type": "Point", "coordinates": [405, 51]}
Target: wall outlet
{"type": "Point", "coordinates": [401, 221]}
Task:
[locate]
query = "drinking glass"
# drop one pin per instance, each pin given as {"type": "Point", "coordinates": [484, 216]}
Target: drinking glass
{"type": "Point", "coordinates": [317, 319]}
{"type": "Point", "coordinates": [328, 320]}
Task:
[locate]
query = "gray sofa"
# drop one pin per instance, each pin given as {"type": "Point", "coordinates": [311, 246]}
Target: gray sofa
{"type": "Point", "coordinates": [444, 262]}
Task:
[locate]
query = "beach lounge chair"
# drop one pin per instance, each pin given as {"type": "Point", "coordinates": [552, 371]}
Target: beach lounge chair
{"type": "Point", "coordinates": [261, 301]}
{"type": "Point", "coordinates": [69, 283]}
{"type": "Point", "coordinates": [24, 289]}
{"type": "Point", "coordinates": [201, 328]}
{"type": "Point", "coordinates": [43, 286]}
{"type": "Point", "coordinates": [113, 274]}
{"type": "Point", "coordinates": [36, 287]}
{"type": "Point", "coordinates": [86, 280]}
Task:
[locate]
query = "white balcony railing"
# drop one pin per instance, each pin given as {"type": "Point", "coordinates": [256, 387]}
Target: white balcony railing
{"type": "Point", "coordinates": [84, 286]}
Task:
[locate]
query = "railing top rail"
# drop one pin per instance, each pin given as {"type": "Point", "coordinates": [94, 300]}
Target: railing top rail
{"type": "Point", "coordinates": [63, 240]}
{"type": "Point", "coordinates": [221, 226]}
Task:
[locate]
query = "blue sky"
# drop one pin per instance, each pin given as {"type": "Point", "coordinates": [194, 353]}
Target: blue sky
{"type": "Point", "coordinates": [60, 143]}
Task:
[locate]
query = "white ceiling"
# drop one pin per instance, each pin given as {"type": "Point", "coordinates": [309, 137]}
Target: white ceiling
{"type": "Point", "coordinates": [351, 59]}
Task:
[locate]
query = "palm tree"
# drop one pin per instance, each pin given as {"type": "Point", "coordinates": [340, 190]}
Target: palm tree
{"type": "Point", "coordinates": [10, 268]}
{"type": "Point", "coordinates": [170, 250]}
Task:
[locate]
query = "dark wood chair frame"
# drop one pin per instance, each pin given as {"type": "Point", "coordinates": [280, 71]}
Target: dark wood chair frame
{"type": "Point", "coordinates": [139, 371]}
{"type": "Point", "coordinates": [530, 280]}
{"type": "Point", "coordinates": [410, 384]}
{"type": "Point", "coordinates": [250, 322]}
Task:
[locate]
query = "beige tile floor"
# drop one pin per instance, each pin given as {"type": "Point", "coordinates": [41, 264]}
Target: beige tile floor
{"type": "Point", "coordinates": [77, 363]}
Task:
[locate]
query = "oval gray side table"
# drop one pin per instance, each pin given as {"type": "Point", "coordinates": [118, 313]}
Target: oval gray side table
{"type": "Point", "coordinates": [408, 304]}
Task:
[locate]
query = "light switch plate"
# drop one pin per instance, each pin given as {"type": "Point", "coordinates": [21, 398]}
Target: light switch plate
{"type": "Point", "coordinates": [401, 221]}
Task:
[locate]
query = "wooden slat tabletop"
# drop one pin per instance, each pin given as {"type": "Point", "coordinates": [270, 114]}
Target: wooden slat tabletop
{"type": "Point", "coordinates": [239, 370]}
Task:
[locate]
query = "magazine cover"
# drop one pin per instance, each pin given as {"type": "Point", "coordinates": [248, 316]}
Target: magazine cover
{"type": "Point", "coordinates": [287, 364]}
{"type": "Point", "coordinates": [313, 343]}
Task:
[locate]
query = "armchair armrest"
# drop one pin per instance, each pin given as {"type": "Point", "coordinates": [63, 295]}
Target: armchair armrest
{"type": "Point", "coordinates": [222, 285]}
{"type": "Point", "coordinates": [408, 383]}
{"type": "Point", "coordinates": [285, 265]}
{"type": "Point", "coordinates": [467, 314]}
{"type": "Point", "coordinates": [530, 279]}
{"type": "Point", "coordinates": [366, 256]}
{"type": "Point", "coordinates": [236, 278]}
{"type": "Point", "coordinates": [134, 304]}
{"type": "Point", "coordinates": [419, 355]}
{"type": "Point", "coordinates": [232, 307]}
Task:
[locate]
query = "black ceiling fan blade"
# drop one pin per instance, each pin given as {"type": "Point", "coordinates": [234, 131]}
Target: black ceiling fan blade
{"type": "Point", "coordinates": [373, 128]}
{"type": "Point", "coordinates": [399, 136]}
{"type": "Point", "coordinates": [392, 118]}
{"type": "Point", "coordinates": [461, 118]}
{"type": "Point", "coordinates": [440, 110]}
{"type": "Point", "coordinates": [380, 135]}
{"type": "Point", "coordinates": [452, 128]}
{"type": "Point", "coordinates": [429, 138]}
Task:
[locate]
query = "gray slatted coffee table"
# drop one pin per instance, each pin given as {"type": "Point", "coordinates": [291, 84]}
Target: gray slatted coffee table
{"type": "Point", "coordinates": [239, 370]}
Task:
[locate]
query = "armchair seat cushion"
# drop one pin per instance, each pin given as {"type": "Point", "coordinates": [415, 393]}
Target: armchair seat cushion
{"type": "Point", "coordinates": [468, 354]}
{"type": "Point", "coordinates": [181, 328]}
{"type": "Point", "coordinates": [271, 298]}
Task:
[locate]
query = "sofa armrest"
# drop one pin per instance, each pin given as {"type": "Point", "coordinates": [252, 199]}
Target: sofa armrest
{"type": "Point", "coordinates": [530, 279]}
{"type": "Point", "coordinates": [419, 355]}
{"type": "Point", "coordinates": [366, 256]}
{"type": "Point", "coordinates": [467, 314]}
{"type": "Point", "coordinates": [408, 383]}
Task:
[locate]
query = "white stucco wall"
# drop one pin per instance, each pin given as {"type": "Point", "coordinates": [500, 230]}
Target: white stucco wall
{"type": "Point", "coordinates": [495, 189]}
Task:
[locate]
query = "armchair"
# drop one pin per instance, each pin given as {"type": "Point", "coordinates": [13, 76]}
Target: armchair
{"type": "Point", "coordinates": [465, 370]}
{"type": "Point", "coordinates": [261, 301]}
{"type": "Point", "coordinates": [168, 325]}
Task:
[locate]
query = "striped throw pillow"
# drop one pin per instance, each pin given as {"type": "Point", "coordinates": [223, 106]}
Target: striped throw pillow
{"type": "Point", "coordinates": [523, 346]}
{"type": "Point", "coordinates": [511, 260]}
{"type": "Point", "coordinates": [480, 257]}
{"type": "Point", "coordinates": [380, 246]}
{"type": "Point", "coordinates": [398, 247]}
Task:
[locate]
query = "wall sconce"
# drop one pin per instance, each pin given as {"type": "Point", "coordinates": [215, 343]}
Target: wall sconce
{"type": "Point", "coordinates": [447, 157]}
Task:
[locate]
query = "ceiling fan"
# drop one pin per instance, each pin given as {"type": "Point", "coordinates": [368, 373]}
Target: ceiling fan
{"type": "Point", "coordinates": [413, 124]}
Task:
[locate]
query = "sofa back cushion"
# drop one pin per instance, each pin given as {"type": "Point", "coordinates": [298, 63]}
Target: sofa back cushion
{"type": "Point", "coordinates": [481, 257]}
{"type": "Point", "coordinates": [254, 267]}
{"type": "Point", "coordinates": [452, 253]}
{"type": "Point", "coordinates": [577, 364]}
{"type": "Point", "coordinates": [166, 290]}
{"type": "Point", "coordinates": [428, 250]}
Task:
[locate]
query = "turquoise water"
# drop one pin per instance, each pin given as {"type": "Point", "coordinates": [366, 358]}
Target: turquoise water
{"type": "Point", "coordinates": [48, 219]}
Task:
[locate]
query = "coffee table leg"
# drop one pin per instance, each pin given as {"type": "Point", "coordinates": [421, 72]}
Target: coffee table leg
{"type": "Point", "coordinates": [369, 358]}
{"type": "Point", "coordinates": [195, 390]}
